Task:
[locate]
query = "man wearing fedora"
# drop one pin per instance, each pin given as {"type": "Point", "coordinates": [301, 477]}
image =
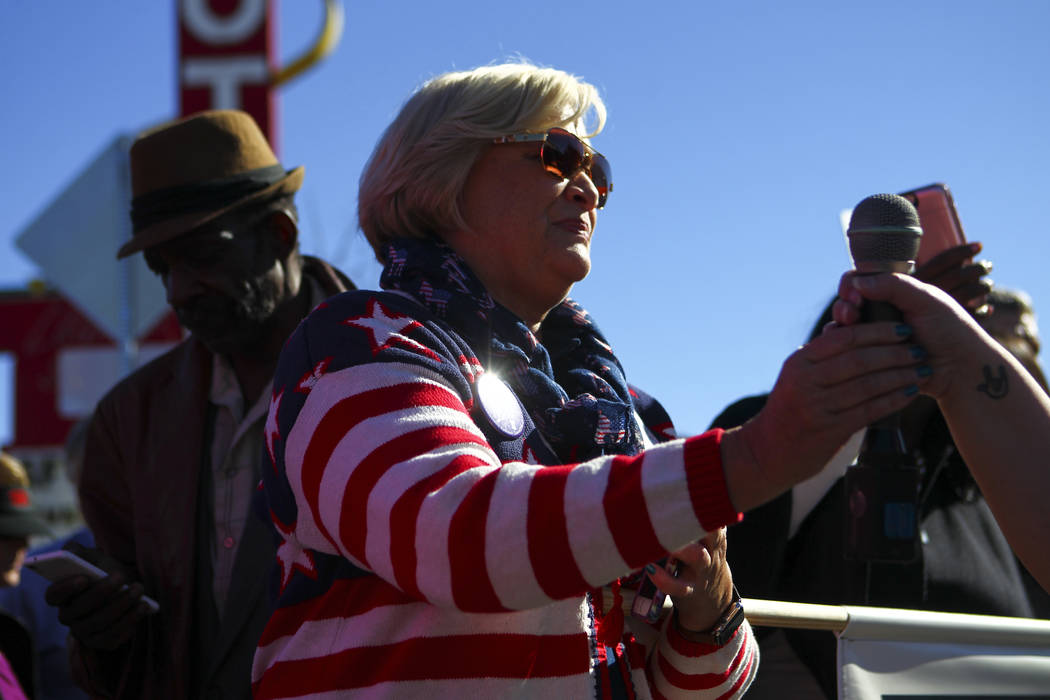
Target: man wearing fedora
{"type": "Point", "coordinates": [173, 451]}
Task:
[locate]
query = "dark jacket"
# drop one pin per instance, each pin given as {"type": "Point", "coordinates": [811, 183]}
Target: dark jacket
{"type": "Point", "coordinates": [139, 495]}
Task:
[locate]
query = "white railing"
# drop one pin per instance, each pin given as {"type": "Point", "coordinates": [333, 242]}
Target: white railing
{"type": "Point", "coordinates": [887, 651]}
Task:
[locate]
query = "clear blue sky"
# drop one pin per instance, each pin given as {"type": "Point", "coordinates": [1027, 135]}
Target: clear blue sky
{"type": "Point", "coordinates": [737, 133]}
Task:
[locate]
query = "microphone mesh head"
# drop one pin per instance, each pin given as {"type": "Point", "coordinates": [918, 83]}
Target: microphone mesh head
{"type": "Point", "coordinates": [884, 234]}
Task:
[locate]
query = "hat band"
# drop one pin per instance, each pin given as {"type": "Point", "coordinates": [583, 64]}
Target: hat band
{"type": "Point", "coordinates": [154, 207]}
{"type": "Point", "coordinates": [14, 499]}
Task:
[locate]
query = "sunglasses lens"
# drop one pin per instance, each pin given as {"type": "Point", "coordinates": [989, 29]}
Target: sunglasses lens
{"type": "Point", "coordinates": [563, 154]}
{"type": "Point", "coordinates": [601, 175]}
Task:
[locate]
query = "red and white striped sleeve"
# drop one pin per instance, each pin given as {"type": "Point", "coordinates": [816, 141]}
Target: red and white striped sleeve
{"type": "Point", "coordinates": [389, 470]}
{"type": "Point", "coordinates": [679, 668]}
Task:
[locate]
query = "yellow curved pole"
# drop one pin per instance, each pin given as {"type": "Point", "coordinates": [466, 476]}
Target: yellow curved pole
{"type": "Point", "coordinates": [329, 37]}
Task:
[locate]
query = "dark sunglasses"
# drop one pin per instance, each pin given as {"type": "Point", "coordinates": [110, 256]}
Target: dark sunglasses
{"type": "Point", "coordinates": [564, 154]}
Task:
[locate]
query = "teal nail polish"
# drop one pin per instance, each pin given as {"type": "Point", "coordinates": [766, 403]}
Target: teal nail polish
{"type": "Point", "coordinates": [917, 352]}
{"type": "Point", "coordinates": [651, 568]}
{"type": "Point", "coordinates": [903, 330]}
{"type": "Point", "coordinates": [911, 390]}
{"type": "Point", "coordinates": [924, 370]}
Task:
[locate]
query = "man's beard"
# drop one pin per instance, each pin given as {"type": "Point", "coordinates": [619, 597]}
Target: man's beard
{"type": "Point", "coordinates": [226, 324]}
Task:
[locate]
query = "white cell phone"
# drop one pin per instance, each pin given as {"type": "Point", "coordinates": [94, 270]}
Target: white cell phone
{"type": "Point", "coordinates": [61, 564]}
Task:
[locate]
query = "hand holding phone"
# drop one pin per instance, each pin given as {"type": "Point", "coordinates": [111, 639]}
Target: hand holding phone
{"type": "Point", "coordinates": [62, 564]}
{"type": "Point", "coordinates": [945, 259]}
{"type": "Point", "coordinates": [941, 228]}
{"type": "Point", "coordinates": [102, 613]}
{"type": "Point", "coordinates": [649, 600]}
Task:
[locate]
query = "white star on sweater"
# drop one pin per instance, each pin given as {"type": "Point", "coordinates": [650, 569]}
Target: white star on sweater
{"type": "Point", "coordinates": [310, 378]}
{"type": "Point", "coordinates": [291, 555]}
{"type": "Point", "coordinates": [388, 329]}
{"type": "Point", "coordinates": [272, 430]}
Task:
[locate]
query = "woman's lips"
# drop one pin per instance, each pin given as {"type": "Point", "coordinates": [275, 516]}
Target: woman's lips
{"type": "Point", "coordinates": [575, 226]}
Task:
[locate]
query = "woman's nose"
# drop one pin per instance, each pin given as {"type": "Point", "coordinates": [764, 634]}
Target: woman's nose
{"type": "Point", "coordinates": [582, 190]}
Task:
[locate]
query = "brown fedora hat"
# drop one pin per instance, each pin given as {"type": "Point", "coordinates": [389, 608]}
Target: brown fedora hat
{"type": "Point", "coordinates": [187, 172]}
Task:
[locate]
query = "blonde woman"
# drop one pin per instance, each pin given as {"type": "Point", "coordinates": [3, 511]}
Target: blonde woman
{"type": "Point", "coordinates": [465, 484]}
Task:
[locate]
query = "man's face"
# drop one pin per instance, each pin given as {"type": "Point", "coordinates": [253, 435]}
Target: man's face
{"type": "Point", "coordinates": [223, 281]}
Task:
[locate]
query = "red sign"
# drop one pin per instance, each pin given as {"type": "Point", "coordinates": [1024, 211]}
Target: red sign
{"type": "Point", "coordinates": [225, 59]}
{"type": "Point", "coordinates": [38, 327]}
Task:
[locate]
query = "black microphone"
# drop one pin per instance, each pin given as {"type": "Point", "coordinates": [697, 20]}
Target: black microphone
{"type": "Point", "coordinates": [882, 488]}
{"type": "Point", "coordinates": [884, 235]}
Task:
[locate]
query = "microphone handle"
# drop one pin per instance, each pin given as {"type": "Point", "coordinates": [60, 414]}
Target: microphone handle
{"type": "Point", "coordinates": [872, 311]}
{"type": "Point", "coordinates": [882, 488]}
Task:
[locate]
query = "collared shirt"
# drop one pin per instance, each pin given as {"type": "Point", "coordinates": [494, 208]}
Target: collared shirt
{"type": "Point", "coordinates": [236, 450]}
{"type": "Point", "coordinates": [236, 447]}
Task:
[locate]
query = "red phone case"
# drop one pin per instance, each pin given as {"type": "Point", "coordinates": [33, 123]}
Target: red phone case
{"type": "Point", "coordinates": [941, 228]}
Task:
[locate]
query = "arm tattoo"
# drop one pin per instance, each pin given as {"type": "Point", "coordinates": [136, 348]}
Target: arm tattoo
{"type": "Point", "coordinates": [995, 385]}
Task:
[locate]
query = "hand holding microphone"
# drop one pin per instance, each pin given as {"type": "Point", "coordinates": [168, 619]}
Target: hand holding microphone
{"type": "Point", "coordinates": [882, 488]}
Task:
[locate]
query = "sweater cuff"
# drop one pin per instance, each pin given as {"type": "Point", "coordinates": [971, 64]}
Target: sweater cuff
{"type": "Point", "coordinates": [687, 647]}
{"type": "Point", "coordinates": [706, 481]}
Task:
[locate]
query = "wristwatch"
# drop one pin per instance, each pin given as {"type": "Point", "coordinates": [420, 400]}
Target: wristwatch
{"type": "Point", "coordinates": [724, 627]}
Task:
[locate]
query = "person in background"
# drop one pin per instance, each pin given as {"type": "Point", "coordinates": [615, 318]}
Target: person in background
{"type": "Point", "coordinates": [1011, 320]}
{"type": "Point", "coordinates": [463, 479]}
{"type": "Point", "coordinates": [26, 601]}
{"type": "Point", "coordinates": [171, 463]}
{"type": "Point", "coordinates": [18, 521]}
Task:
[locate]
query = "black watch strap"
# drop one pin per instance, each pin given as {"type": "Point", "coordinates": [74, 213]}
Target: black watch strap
{"type": "Point", "coordinates": [724, 627]}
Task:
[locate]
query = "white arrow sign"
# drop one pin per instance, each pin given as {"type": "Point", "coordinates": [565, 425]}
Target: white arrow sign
{"type": "Point", "coordinates": [75, 241]}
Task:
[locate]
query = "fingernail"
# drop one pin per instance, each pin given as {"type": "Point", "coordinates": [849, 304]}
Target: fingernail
{"type": "Point", "coordinates": [911, 390]}
{"type": "Point", "coordinates": [651, 568]}
{"type": "Point", "coordinates": [689, 590]}
{"type": "Point", "coordinates": [902, 329]}
{"type": "Point", "coordinates": [988, 266]}
{"type": "Point", "coordinates": [917, 352]}
{"type": "Point", "coordinates": [863, 282]}
{"type": "Point", "coordinates": [975, 247]}
{"type": "Point", "coordinates": [924, 370]}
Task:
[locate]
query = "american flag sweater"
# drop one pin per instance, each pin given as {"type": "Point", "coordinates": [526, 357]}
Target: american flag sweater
{"type": "Point", "coordinates": [428, 552]}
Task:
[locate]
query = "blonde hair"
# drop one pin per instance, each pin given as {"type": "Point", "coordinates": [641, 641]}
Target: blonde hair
{"type": "Point", "coordinates": [12, 473]}
{"type": "Point", "coordinates": [412, 182]}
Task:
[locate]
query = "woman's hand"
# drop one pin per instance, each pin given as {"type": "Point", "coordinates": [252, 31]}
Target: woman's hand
{"type": "Point", "coordinates": [954, 271]}
{"type": "Point", "coordinates": [703, 588]}
{"type": "Point", "coordinates": [828, 389]}
{"type": "Point", "coordinates": [998, 415]}
{"type": "Point", "coordinates": [943, 328]}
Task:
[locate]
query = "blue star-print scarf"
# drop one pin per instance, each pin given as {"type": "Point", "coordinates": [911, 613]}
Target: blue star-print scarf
{"type": "Point", "coordinates": [571, 384]}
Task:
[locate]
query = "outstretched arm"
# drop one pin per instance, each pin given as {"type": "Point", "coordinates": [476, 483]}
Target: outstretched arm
{"type": "Point", "coordinates": [998, 415]}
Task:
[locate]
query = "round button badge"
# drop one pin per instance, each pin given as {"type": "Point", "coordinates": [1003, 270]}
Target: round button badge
{"type": "Point", "coordinates": [499, 405]}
